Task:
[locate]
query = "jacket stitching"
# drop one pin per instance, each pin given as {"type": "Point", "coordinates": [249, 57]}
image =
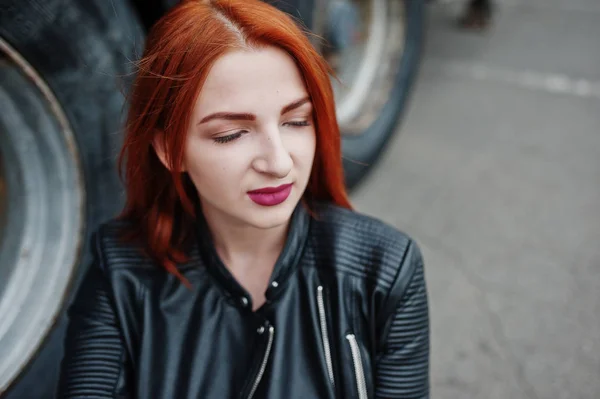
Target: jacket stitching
{"type": "Point", "coordinates": [122, 354]}
{"type": "Point", "coordinates": [388, 307]}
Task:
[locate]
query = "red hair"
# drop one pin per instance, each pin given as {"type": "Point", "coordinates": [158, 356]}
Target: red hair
{"type": "Point", "coordinates": [180, 50]}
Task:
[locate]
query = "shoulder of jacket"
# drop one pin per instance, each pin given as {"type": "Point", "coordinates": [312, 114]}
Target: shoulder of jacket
{"type": "Point", "coordinates": [359, 244]}
{"type": "Point", "coordinates": [115, 252]}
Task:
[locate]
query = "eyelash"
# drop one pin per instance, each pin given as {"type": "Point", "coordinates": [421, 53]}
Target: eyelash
{"type": "Point", "coordinates": [236, 135]}
{"type": "Point", "coordinates": [227, 139]}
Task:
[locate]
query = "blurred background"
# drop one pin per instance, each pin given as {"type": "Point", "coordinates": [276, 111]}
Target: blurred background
{"type": "Point", "coordinates": [496, 172]}
{"type": "Point", "coordinates": [474, 130]}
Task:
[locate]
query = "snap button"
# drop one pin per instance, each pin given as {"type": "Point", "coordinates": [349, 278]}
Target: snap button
{"type": "Point", "coordinates": [244, 301]}
{"type": "Point", "coordinates": [275, 284]}
{"type": "Point", "coordinates": [261, 329]}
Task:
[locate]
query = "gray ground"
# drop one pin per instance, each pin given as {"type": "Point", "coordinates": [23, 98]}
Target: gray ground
{"type": "Point", "coordinates": [496, 173]}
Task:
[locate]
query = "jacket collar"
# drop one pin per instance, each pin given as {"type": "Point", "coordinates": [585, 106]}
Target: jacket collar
{"type": "Point", "coordinates": [285, 265]}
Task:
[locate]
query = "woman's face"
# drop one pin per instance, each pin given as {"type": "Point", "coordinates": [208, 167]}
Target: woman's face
{"type": "Point", "coordinates": [251, 129]}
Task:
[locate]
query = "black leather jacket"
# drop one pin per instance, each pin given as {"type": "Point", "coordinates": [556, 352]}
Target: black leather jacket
{"type": "Point", "coordinates": [346, 317]}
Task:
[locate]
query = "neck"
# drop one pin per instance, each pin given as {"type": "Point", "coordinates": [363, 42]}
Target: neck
{"type": "Point", "coordinates": [238, 243]}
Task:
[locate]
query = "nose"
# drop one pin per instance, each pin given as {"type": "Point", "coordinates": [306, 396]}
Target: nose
{"type": "Point", "coordinates": [274, 158]}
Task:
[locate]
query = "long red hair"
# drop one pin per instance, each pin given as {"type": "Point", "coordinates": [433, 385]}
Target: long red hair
{"type": "Point", "coordinates": [179, 52]}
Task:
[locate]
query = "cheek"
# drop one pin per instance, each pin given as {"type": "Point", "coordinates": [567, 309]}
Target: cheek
{"type": "Point", "coordinates": [210, 166]}
{"type": "Point", "coordinates": [303, 148]}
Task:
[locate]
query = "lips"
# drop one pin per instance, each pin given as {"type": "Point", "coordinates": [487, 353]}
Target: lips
{"type": "Point", "coordinates": [270, 190]}
{"type": "Point", "coordinates": [270, 196]}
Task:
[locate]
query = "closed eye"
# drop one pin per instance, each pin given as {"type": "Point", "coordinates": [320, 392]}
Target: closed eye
{"type": "Point", "coordinates": [229, 137]}
{"type": "Point", "coordinates": [238, 134]}
{"type": "Point", "coordinates": [297, 123]}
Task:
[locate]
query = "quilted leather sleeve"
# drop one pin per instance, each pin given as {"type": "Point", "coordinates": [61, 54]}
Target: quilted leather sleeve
{"type": "Point", "coordinates": [402, 369]}
{"type": "Point", "coordinates": [95, 362]}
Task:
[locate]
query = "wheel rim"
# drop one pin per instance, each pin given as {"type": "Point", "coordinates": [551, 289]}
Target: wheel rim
{"type": "Point", "coordinates": [3, 199]}
{"type": "Point", "coordinates": [41, 211]}
{"type": "Point", "coordinates": [365, 45]}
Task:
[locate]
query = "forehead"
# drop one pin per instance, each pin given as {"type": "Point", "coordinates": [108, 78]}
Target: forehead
{"type": "Point", "coordinates": [251, 81]}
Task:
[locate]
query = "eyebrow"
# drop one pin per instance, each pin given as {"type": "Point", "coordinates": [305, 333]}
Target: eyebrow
{"type": "Point", "coordinates": [232, 116]}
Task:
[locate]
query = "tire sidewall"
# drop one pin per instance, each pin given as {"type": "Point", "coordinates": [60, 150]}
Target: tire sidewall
{"type": "Point", "coordinates": [88, 70]}
{"type": "Point", "coordinates": [361, 152]}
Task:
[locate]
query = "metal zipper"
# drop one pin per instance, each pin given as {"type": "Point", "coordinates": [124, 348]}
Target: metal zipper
{"type": "Point", "coordinates": [263, 365]}
{"type": "Point", "coordinates": [325, 335]}
{"type": "Point", "coordinates": [358, 367]}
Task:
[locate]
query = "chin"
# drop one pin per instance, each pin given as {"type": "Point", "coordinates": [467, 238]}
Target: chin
{"type": "Point", "coordinates": [267, 217]}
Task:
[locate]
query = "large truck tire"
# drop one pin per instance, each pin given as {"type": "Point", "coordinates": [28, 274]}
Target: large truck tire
{"type": "Point", "coordinates": [377, 76]}
{"type": "Point", "coordinates": [64, 66]}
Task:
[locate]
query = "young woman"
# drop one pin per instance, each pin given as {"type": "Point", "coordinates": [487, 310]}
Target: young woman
{"type": "Point", "coordinates": [237, 268]}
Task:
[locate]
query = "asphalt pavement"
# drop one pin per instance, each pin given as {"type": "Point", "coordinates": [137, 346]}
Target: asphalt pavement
{"type": "Point", "coordinates": [496, 173]}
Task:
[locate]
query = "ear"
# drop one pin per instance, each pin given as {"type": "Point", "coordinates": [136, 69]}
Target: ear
{"type": "Point", "coordinates": [158, 143]}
